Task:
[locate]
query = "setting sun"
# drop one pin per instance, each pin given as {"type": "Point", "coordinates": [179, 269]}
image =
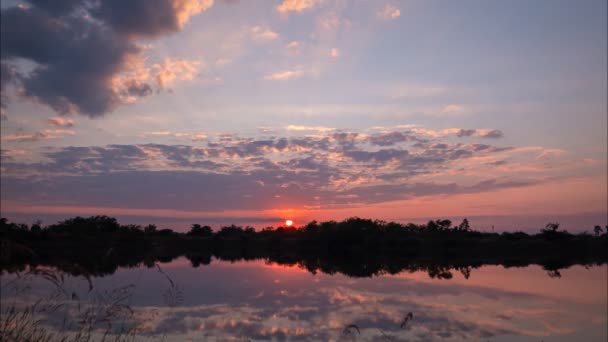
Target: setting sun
{"type": "Point", "coordinates": [289, 223]}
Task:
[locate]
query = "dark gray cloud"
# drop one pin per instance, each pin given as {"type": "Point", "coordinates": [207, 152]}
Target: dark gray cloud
{"type": "Point", "coordinates": [498, 163]}
{"type": "Point", "coordinates": [465, 132]}
{"type": "Point", "coordinates": [308, 163]}
{"type": "Point", "coordinates": [493, 134]}
{"type": "Point", "coordinates": [57, 8]}
{"type": "Point", "coordinates": [154, 17]}
{"type": "Point", "coordinates": [78, 47]}
{"type": "Point", "coordinates": [139, 89]}
{"type": "Point", "coordinates": [8, 75]}
{"type": "Point", "coordinates": [76, 59]}
{"type": "Point", "coordinates": [381, 156]}
{"type": "Point", "coordinates": [392, 138]}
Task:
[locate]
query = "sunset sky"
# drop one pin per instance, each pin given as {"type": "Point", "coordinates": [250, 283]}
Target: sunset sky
{"type": "Point", "coordinates": [253, 112]}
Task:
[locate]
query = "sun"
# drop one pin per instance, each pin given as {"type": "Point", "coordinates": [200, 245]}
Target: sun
{"type": "Point", "coordinates": [288, 223]}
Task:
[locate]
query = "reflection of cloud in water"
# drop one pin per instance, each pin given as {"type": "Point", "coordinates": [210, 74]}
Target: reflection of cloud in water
{"type": "Point", "coordinates": [298, 307]}
{"type": "Point", "coordinates": [242, 301]}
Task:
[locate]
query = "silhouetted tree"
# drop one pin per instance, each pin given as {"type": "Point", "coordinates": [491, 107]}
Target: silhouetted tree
{"type": "Point", "coordinates": [36, 227]}
{"type": "Point", "coordinates": [150, 229]}
{"type": "Point", "coordinates": [165, 232]}
{"type": "Point", "coordinates": [464, 226]}
{"type": "Point", "coordinates": [444, 224]}
{"type": "Point", "coordinates": [89, 225]}
{"type": "Point", "coordinates": [550, 227]}
{"type": "Point", "coordinates": [231, 231]}
{"type": "Point", "coordinates": [597, 230]}
{"type": "Point", "coordinates": [198, 230]}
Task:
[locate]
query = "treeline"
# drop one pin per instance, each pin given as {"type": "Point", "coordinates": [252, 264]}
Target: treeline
{"type": "Point", "coordinates": [350, 229]}
{"type": "Point", "coordinates": [357, 247]}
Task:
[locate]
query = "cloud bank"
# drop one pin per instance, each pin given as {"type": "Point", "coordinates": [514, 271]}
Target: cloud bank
{"type": "Point", "coordinates": [226, 172]}
{"type": "Point", "coordinates": [87, 56]}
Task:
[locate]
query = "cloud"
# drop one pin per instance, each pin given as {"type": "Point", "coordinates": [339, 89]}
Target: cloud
{"type": "Point", "coordinates": [547, 154]}
{"type": "Point", "coordinates": [452, 109]}
{"type": "Point", "coordinates": [59, 121]}
{"type": "Point", "coordinates": [381, 156]}
{"type": "Point", "coordinates": [389, 12]}
{"type": "Point", "coordinates": [26, 137]}
{"type": "Point", "coordinates": [310, 128]}
{"type": "Point", "coordinates": [293, 45]}
{"type": "Point", "coordinates": [60, 131]}
{"type": "Point", "coordinates": [392, 138]}
{"type": "Point", "coordinates": [36, 136]}
{"type": "Point", "coordinates": [8, 74]}
{"type": "Point", "coordinates": [296, 5]}
{"type": "Point", "coordinates": [154, 18]}
{"type": "Point", "coordinates": [99, 43]}
{"type": "Point", "coordinates": [189, 135]}
{"type": "Point", "coordinates": [227, 171]}
{"type": "Point", "coordinates": [498, 163]}
{"type": "Point", "coordinates": [158, 133]}
{"type": "Point", "coordinates": [260, 34]}
{"type": "Point", "coordinates": [175, 69]}
{"type": "Point", "coordinates": [465, 133]}
{"type": "Point", "coordinates": [482, 133]}
{"type": "Point", "coordinates": [492, 134]}
{"type": "Point", "coordinates": [284, 75]}
{"type": "Point", "coordinates": [334, 53]}
{"type": "Point", "coordinates": [435, 133]}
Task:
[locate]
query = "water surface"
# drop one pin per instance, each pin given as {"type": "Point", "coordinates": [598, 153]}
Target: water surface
{"type": "Point", "coordinates": [257, 300]}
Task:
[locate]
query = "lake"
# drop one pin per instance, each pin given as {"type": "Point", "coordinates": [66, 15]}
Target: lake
{"type": "Point", "coordinates": [258, 300]}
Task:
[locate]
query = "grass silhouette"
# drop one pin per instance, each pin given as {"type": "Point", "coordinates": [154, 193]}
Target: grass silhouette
{"type": "Point", "coordinates": [65, 315]}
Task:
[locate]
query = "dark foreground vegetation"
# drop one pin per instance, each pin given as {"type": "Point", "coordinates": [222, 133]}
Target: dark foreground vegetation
{"type": "Point", "coordinates": [98, 245]}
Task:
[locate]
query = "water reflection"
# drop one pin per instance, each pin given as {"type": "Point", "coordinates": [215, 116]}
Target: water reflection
{"type": "Point", "coordinates": [258, 300]}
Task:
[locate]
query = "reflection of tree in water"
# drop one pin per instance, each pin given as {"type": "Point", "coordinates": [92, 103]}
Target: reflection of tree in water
{"type": "Point", "coordinates": [351, 329]}
{"type": "Point", "coordinates": [99, 245]}
{"type": "Point", "coordinates": [363, 265]}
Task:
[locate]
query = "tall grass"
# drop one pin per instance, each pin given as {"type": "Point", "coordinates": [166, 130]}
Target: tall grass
{"type": "Point", "coordinates": [67, 315]}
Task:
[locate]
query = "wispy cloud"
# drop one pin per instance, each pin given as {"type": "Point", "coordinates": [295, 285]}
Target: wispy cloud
{"type": "Point", "coordinates": [334, 53]}
{"type": "Point", "coordinates": [262, 34]}
{"type": "Point", "coordinates": [59, 121]}
{"type": "Point", "coordinates": [296, 5]}
{"type": "Point", "coordinates": [188, 135]}
{"type": "Point", "coordinates": [310, 128]}
{"type": "Point", "coordinates": [285, 75]}
{"type": "Point", "coordinates": [453, 109]}
{"type": "Point", "coordinates": [389, 12]}
{"type": "Point", "coordinates": [26, 137]}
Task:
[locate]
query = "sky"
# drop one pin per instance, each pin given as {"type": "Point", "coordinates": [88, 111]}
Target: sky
{"type": "Point", "coordinates": [254, 112]}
